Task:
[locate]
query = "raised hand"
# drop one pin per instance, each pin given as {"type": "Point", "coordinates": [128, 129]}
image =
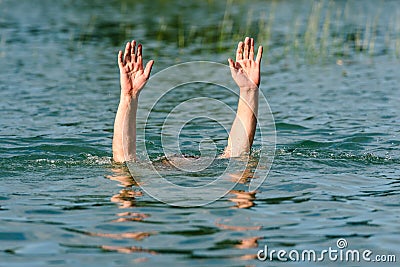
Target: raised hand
{"type": "Point", "coordinates": [133, 76]}
{"type": "Point", "coordinates": [246, 71]}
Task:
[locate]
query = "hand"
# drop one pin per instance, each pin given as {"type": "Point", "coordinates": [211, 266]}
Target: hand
{"type": "Point", "coordinates": [132, 75]}
{"type": "Point", "coordinates": [245, 71]}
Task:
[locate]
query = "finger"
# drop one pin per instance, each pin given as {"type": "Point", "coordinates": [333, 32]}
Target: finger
{"type": "Point", "coordinates": [239, 52]}
{"type": "Point", "coordinates": [251, 53]}
{"type": "Point", "coordinates": [120, 64]}
{"type": "Point", "coordinates": [127, 56]}
{"type": "Point", "coordinates": [133, 52]}
{"type": "Point", "coordinates": [259, 54]}
{"type": "Point", "coordinates": [147, 70]}
{"type": "Point", "coordinates": [139, 56]}
{"type": "Point", "coordinates": [231, 63]}
{"type": "Point", "coordinates": [246, 47]}
{"type": "Point", "coordinates": [232, 66]}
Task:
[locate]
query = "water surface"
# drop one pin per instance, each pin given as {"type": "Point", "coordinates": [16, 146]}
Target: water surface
{"type": "Point", "coordinates": [334, 97]}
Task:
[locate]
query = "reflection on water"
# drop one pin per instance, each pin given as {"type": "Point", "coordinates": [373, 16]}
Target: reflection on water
{"type": "Point", "coordinates": [331, 75]}
{"type": "Point", "coordinates": [122, 176]}
{"type": "Point", "coordinates": [131, 192]}
{"type": "Point", "coordinates": [242, 199]}
{"type": "Point", "coordinates": [128, 250]}
{"type": "Point", "coordinates": [137, 236]}
{"type": "Point", "coordinates": [126, 198]}
{"type": "Point", "coordinates": [129, 216]}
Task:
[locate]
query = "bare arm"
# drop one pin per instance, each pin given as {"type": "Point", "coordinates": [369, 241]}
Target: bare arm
{"type": "Point", "coordinates": [133, 77]}
{"type": "Point", "coordinates": [246, 73]}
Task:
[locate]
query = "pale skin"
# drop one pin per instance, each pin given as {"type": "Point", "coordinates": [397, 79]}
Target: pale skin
{"type": "Point", "coordinates": [133, 78]}
{"type": "Point", "coordinates": [245, 71]}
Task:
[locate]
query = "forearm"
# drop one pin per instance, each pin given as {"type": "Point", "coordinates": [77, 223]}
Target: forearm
{"type": "Point", "coordinates": [124, 139]}
{"type": "Point", "coordinates": [243, 128]}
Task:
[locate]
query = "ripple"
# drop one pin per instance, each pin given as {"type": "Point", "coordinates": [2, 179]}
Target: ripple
{"type": "Point", "coordinates": [336, 171]}
{"type": "Point", "coordinates": [310, 149]}
{"type": "Point", "coordinates": [281, 126]}
{"type": "Point", "coordinates": [12, 236]}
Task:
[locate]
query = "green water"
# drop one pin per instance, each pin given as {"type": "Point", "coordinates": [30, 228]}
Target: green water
{"type": "Point", "coordinates": [331, 75]}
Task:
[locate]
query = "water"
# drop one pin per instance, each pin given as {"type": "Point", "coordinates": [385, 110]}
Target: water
{"type": "Point", "coordinates": [336, 171]}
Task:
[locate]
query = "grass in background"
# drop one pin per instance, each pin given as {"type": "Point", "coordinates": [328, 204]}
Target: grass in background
{"type": "Point", "coordinates": [327, 32]}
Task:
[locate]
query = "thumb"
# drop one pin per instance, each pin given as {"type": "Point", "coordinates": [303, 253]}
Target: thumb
{"type": "Point", "coordinates": [148, 68]}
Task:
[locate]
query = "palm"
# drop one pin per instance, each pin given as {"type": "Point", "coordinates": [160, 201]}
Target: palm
{"type": "Point", "coordinates": [133, 76]}
{"type": "Point", "coordinates": [246, 71]}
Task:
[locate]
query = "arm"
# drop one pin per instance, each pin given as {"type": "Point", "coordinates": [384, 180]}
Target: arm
{"type": "Point", "coordinates": [246, 73]}
{"type": "Point", "coordinates": [132, 78]}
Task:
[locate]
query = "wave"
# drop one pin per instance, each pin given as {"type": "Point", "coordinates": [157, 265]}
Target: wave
{"type": "Point", "coordinates": [330, 154]}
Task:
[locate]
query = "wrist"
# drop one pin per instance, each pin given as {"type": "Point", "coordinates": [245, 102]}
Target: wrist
{"type": "Point", "coordinates": [248, 91]}
{"type": "Point", "coordinates": [127, 98]}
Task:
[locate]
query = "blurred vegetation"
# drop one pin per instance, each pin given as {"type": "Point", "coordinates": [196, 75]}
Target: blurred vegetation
{"type": "Point", "coordinates": [312, 30]}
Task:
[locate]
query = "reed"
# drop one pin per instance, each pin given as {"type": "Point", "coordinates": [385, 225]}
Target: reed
{"type": "Point", "coordinates": [225, 25]}
{"type": "Point", "coordinates": [265, 28]}
{"type": "Point", "coordinates": [397, 37]}
{"type": "Point", "coordinates": [2, 45]}
{"type": "Point", "coordinates": [311, 33]}
{"type": "Point", "coordinates": [373, 37]}
{"type": "Point", "coordinates": [329, 32]}
{"type": "Point", "coordinates": [325, 39]}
